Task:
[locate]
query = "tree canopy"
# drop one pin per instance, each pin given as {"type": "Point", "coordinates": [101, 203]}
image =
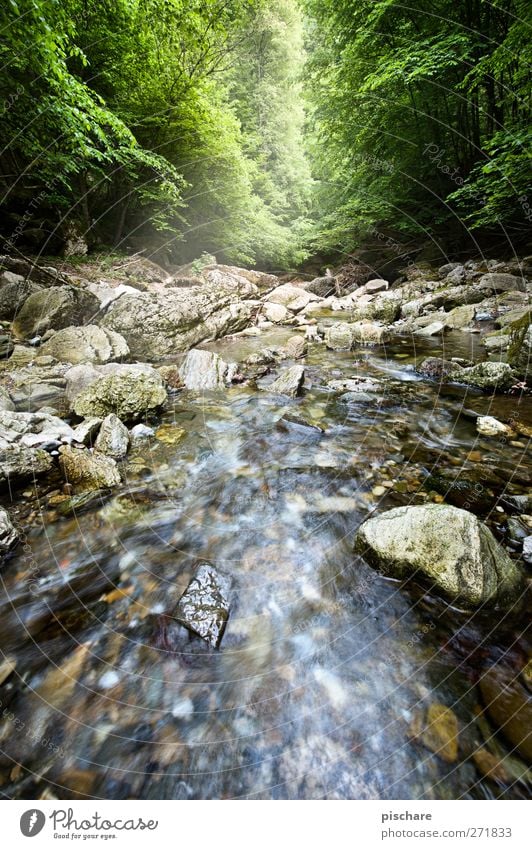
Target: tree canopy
{"type": "Point", "coordinates": [263, 130]}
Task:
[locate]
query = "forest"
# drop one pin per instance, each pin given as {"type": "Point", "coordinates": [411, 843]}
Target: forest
{"type": "Point", "coordinates": [264, 131]}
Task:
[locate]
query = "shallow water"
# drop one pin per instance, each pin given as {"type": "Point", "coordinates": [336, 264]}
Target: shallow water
{"type": "Point", "coordinates": [326, 668]}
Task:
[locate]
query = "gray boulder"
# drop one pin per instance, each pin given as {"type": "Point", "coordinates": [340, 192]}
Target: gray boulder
{"type": "Point", "coordinates": [18, 463]}
{"type": "Point", "coordinates": [502, 283]}
{"type": "Point", "coordinates": [156, 325]}
{"type": "Point", "coordinates": [55, 308]}
{"type": "Point", "coordinates": [339, 336]}
{"type": "Point", "coordinates": [33, 430]}
{"type": "Point", "coordinates": [520, 347]}
{"type": "Point", "coordinates": [87, 344]}
{"type": "Point", "coordinates": [289, 382]}
{"type": "Point", "coordinates": [14, 290]}
{"type": "Point", "coordinates": [488, 376]}
{"type": "Point", "coordinates": [86, 470]}
{"type": "Point", "coordinates": [128, 394]}
{"type": "Point", "coordinates": [204, 370]}
{"type": "Point", "coordinates": [113, 438]}
{"type": "Point", "coordinates": [445, 549]}
{"type": "Point", "coordinates": [6, 402]}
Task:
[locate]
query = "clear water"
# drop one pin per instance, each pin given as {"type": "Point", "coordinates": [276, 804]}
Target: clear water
{"type": "Point", "coordinates": [324, 665]}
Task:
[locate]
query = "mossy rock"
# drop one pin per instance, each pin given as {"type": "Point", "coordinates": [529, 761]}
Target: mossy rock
{"type": "Point", "coordinates": [520, 348]}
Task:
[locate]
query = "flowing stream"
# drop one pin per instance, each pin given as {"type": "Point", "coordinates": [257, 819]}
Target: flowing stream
{"type": "Point", "coordinates": [325, 668]}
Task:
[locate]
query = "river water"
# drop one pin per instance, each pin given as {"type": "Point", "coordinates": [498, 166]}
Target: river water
{"type": "Point", "coordinates": [326, 669]}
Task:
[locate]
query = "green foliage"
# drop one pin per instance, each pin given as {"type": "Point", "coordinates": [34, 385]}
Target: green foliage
{"type": "Point", "coordinates": [129, 115]}
{"type": "Point", "coordinates": [420, 115]}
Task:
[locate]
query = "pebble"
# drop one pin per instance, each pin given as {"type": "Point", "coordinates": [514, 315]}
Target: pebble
{"type": "Point", "coordinates": [183, 709]}
{"type": "Point", "coordinates": [378, 490]}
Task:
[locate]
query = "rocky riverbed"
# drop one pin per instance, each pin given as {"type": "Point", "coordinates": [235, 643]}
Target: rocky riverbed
{"type": "Point", "coordinates": [264, 538]}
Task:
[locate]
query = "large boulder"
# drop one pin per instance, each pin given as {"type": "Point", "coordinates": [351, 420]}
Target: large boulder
{"type": "Point", "coordinates": [520, 348]}
{"type": "Point", "coordinates": [275, 313]}
{"type": "Point", "coordinates": [158, 325]}
{"type": "Point", "coordinates": [18, 463]}
{"type": "Point", "coordinates": [204, 370]}
{"type": "Point", "coordinates": [339, 336]}
{"type": "Point", "coordinates": [88, 344]}
{"type": "Point", "coordinates": [488, 375]}
{"type": "Point", "coordinates": [502, 283]}
{"type": "Point", "coordinates": [384, 307]}
{"type": "Point", "coordinates": [79, 378]}
{"type": "Point", "coordinates": [294, 298]}
{"type": "Point", "coordinates": [55, 308]}
{"type": "Point", "coordinates": [113, 438]}
{"type": "Point", "coordinates": [445, 549]}
{"type": "Point", "coordinates": [130, 395]}
{"type": "Point", "coordinates": [33, 430]}
{"type": "Point", "coordinates": [368, 333]}
{"type": "Point", "coordinates": [321, 286]}
{"type": "Point", "coordinates": [87, 471]}
{"type": "Point", "coordinates": [14, 291]}
{"type": "Point", "coordinates": [289, 382]}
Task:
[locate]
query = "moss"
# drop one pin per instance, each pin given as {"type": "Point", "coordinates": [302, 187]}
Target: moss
{"type": "Point", "coordinates": [518, 331]}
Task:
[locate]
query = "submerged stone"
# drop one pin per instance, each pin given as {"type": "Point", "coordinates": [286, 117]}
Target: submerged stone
{"type": "Point", "coordinates": [204, 606]}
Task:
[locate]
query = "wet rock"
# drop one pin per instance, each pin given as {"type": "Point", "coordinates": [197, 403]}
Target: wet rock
{"type": "Point", "coordinates": [339, 337]}
{"type": "Point", "coordinates": [170, 434]}
{"type": "Point", "coordinates": [87, 471]}
{"type": "Point", "coordinates": [439, 369]}
{"type": "Point", "coordinates": [460, 317]}
{"type": "Point", "coordinates": [438, 731]}
{"type": "Point", "coordinates": [289, 382]}
{"type": "Point", "coordinates": [368, 333]}
{"type": "Point", "coordinates": [141, 431]}
{"type": "Point", "coordinates": [54, 308]}
{"type": "Point", "coordinates": [292, 422]}
{"type": "Point", "coordinates": [18, 463]}
{"type": "Point", "coordinates": [446, 549]}
{"type": "Point", "coordinates": [294, 298]}
{"type": "Point", "coordinates": [491, 766]}
{"type": "Point", "coordinates": [86, 432]}
{"type": "Point", "coordinates": [77, 504]}
{"type": "Point", "coordinates": [6, 402]}
{"type": "Point", "coordinates": [33, 430]}
{"type": "Point", "coordinates": [113, 438]}
{"type": "Point", "coordinates": [488, 376]}
{"type": "Point", "coordinates": [275, 313]}
{"type": "Point", "coordinates": [384, 307]}
{"type": "Point", "coordinates": [352, 385]}
{"type": "Point", "coordinates": [502, 283]}
{"type": "Point", "coordinates": [490, 426]}
{"type": "Point", "coordinates": [156, 325]}
{"type": "Point", "coordinates": [527, 549]}
{"type": "Point", "coordinates": [509, 706]}
{"type": "Point", "coordinates": [204, 606]}
{"type": "Point", "coordinates": [8, 534]}
{"type": "Point", "coordinates": [87, 344]}
{"type": "Point", "coordinates": [432, 329]}
{"type": "Point", "coordinates": [203, 370]}
{"type": "Point", "coordinates": [461, 491]}
{"type": "Point", "coordinates": [520, 347]}
{"type": "Point", "coordinates": [296, 348]}
{"type": "Point", "coordinates": [496, 344]}
{"type": "Point", "coordinates": [129, 394]}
